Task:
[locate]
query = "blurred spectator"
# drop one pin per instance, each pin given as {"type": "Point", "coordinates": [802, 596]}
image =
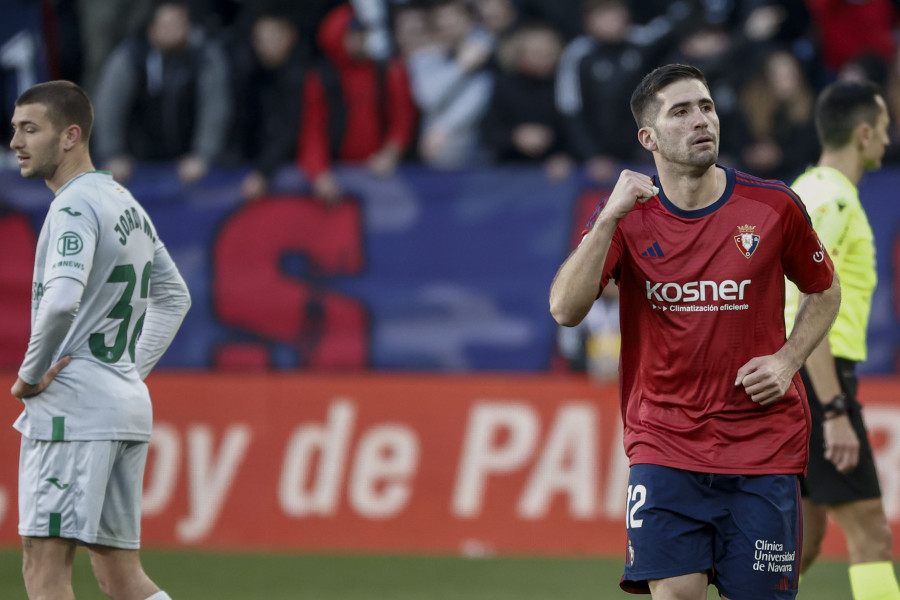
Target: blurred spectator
{"type": "Point", "coordinates": [373, 16]}
{"type": "Point", "coordinates": [308, 16]}
{"type": "Point", "coordinates": [564, 15]}
{"type": "Point", "coordinates": [411, 31]}
{"type": "Point", "coordinates": [355, 109]}
{"type": "Point", "coordinates": [522, 123]}
{"type": "Point", "coordinates": [762, 26]}
{"type": "Point", "coordinates": [660, 13]}
{"type": "Point", "coordinates": [849, 29]}
{"type": "Point", "coordinates": [500, 17]}
{"type": "Point", "coordinates": [866, 67]}
{"type": "Point", "coordinates": [215, 16]}
{"type": "Point", "coordinates": [892, 97]}
{"type": "Point", "coordinates": [597, 74]}
{"type": "Point", "coordinates": [62, 40]}
{"type": "Point", "coordinates": [269, 72]}
{"type": "Point", "coordinates": [103, 24]}
{"type": "Point", "coordinates": [716, 51]}
{"type": "Point", "coordinates": [451, 83]}
{"type": "Point", "coordinates": [785, 23]}
{"type": "Point", "coordinates": [778, 104]}
{"type": "Point", "coordinates": [163, 96]}
{"type": "Point", "coordinates": [22, 62]}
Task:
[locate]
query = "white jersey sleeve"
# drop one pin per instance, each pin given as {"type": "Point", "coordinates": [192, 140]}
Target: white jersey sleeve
{"type": "Point", "coordinates": [72, 231]}
{"type": "Point", "coordinates": [169, 303]}
{"type": "Point", "coordinates": [55, 314]}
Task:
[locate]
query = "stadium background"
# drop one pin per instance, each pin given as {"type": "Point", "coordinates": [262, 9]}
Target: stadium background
{"type": "Point", "coordinates": [382, 379]}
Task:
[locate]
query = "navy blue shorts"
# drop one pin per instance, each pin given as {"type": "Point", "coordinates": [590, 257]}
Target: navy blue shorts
{"type": "Point", "coordinates": [744, 531]}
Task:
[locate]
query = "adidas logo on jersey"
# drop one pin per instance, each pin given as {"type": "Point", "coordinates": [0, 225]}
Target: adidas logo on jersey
{"type": "Point", "coordinates": [653, 250]}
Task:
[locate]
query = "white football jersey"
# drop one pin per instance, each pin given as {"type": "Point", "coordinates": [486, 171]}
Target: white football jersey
{"type": "Point", "coordinates": [96, 233]}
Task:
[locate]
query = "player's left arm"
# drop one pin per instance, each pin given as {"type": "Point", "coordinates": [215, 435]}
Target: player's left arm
{"type": "Point", "coordinates": [832, 222]}
{"type": "Point", "coordinates": [806, 263]}
{"type": "Point", "coordinates": [767, 378]}
{"type": "Point", "coordinates": [72, 233]}
{"type": "Point", "coordinates": [169, 301]}
{"type": "Point", "coordinates": [56, 312]}
{"type": "Point", "coordinates": [841, 442]}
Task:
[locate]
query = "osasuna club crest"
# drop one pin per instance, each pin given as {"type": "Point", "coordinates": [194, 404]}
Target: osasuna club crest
{"type": "Point", "coordinates": [747, 241]}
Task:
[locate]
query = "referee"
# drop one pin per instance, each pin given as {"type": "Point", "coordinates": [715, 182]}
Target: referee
{"type": "Point", "coordinates": [851, 122]}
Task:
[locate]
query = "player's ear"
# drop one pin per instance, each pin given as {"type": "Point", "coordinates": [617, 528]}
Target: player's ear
{"type": "Point", "coordinates": [647, 138]}
{"type": "Point", "coordinates": [71, 137]}
{"type": "Point", "coordinates": [863, 133]}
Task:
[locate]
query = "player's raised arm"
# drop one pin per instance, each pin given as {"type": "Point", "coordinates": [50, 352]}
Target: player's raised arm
{"type": "Point", "coordinates": [577, 282]}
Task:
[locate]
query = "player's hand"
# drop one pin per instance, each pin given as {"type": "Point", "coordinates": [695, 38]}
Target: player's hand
{"type": "Point", "coordinates": [558, 167]}
{"type": "Point", "coordinates": [841, 443]}
{"type": "Point", "coordinates": [22, 390]}
{"type": "Point", "coordinates": [384, 162]}
{"type": "Point", "coordinates": [473, 54]}
{"type": "Point", "coordinates": [532, 139]}
{"type": "Point", "coordinates": [600, 169]}
{"type": "Point", "coordinates": [630, 188]}
{"type": "Point", "coordinates": [121, 168]}
{"type": "Point", "coordinates": [191, 168]}
{"type": "Point", "coordinates": [327, 189]}
{"type": "Point", "coordinates": [254, 185]}
{"type": "Point", "coordinates": [434, 141]}
{"type": "Point", "coordinates": [765, 379]}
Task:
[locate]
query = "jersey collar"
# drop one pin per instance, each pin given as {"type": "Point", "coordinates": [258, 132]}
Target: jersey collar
{"type": "Point", "coordinates": [79, 176]}
{"type": "Point", "coordinates": [700, 212]}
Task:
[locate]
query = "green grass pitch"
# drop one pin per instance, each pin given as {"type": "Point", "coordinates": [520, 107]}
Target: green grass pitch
{"type": "Point", "coordinates": [219, 576]}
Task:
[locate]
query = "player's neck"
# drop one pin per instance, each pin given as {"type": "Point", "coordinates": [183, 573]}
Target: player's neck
{"type": "Point", "coordinates": [693, 191]}
{"type": "Point", "coordinates": [72, 166]}
{"type": "Point", "coordinates": [846, 161]}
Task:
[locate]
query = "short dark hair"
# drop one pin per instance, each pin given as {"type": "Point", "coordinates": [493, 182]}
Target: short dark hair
{"type": "Point", "coordinates": [67, 104]}
{"type": "Point", "coordinates": [841, 107]}
{"type": "Point", "coordinates": [644, 100]}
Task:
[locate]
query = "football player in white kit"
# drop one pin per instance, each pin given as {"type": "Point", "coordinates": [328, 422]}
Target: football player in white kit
{"type": "Point", "coordinates": [107, 300]}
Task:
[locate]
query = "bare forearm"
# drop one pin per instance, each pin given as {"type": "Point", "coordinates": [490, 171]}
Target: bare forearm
{"type": "Point", "coordinates": [822, 372]}
{"type": "Point", "coordinates": [577, 283]}
{"type": "Point", "coordinates": [814, 319]}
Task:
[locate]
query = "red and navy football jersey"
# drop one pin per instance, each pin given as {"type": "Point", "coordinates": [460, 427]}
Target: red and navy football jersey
{"type": "Point", "coordinates": [701, 293]}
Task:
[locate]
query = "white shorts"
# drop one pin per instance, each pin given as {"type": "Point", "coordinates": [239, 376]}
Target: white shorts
{"type": "Point", "coordinates": [88, 491]}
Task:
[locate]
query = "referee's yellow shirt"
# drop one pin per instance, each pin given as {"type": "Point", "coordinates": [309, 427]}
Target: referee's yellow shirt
{"type": "Point", "coordinates": [838, 217]}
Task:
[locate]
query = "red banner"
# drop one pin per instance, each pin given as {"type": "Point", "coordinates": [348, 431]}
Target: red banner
{"type": "Point", "coordinates": [405, 463]}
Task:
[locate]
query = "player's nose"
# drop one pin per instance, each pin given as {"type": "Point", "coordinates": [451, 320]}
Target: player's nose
{"type": "Point", "coordinates": [16, 141]}
{"type": "Point", "coordinates": [701, 119]}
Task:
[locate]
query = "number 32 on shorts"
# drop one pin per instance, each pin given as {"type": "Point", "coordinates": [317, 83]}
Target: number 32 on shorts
{"type": "Point", "coordinates": [637, 495]}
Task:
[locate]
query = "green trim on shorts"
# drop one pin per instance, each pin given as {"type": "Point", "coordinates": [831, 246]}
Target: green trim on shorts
{"type": "Point", "coordinates": [59, 429]}
{"type": "Point", "coordinates": [55, 524]}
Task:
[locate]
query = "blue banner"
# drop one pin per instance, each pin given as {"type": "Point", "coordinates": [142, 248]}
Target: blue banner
{"type": "Point", "coordinates": [424, 270]}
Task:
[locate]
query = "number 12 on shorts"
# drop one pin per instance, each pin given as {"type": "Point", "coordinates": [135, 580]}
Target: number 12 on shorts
{"type": "Point", "coordinates": [637, 495]}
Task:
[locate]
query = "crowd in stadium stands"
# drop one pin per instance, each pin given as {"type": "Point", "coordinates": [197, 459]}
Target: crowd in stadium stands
{"type": "Point", "coordinates": [452, 84]}
{"type": "Point", "coordinates": [448, 83]}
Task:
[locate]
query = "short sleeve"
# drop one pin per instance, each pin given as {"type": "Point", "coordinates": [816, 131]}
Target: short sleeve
{"type": "Point", "coordinates": [805, 260]}
{"type": "Point", "coordinates": [72, 239]}
{"type": "Point", "coordinates": [831, 221]}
